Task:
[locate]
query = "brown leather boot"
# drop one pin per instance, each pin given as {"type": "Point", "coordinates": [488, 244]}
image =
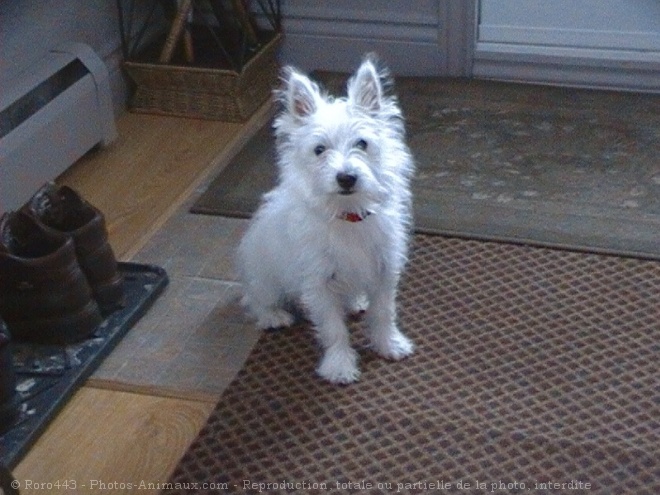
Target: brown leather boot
{"type": "Point", "coordinates": [8, 395]}
{"type": "Point", "coordinates": [62, 210]}
{"type": "Point", "coordinates": [44, 295]}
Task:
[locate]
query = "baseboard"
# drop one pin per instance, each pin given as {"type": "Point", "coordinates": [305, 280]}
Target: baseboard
{"type": "Point", "coordinates": [314, 52]}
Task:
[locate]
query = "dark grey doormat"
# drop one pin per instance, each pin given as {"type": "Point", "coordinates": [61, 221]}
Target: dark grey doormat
{"type": "Point", "coordinates": [48, 375]}
{"type": "Point", "coordinates": [543, 165]}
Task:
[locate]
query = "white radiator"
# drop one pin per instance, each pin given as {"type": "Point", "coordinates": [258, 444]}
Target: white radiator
{"type": "Point", "coordinates": [50, 115]}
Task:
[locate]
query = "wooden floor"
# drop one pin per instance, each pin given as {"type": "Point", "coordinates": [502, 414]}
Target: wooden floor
{"type": "Point", "coordinates": [115, 438]}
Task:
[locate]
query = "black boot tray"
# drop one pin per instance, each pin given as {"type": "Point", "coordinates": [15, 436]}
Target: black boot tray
{"type": "Point", "coordinates": [48, 375]}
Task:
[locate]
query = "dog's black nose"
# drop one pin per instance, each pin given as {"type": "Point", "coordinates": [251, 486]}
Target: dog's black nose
{"type": "Point", "coordinates": [346, 181]}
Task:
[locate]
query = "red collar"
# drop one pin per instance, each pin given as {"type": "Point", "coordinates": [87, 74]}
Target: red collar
{"type": "Point", "coordinates": [353, 217]}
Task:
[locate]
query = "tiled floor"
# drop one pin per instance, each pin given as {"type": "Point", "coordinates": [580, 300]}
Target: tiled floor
{"type": "Point", "coordinates": [196, 337]}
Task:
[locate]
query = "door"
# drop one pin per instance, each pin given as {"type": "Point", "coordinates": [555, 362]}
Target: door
{"type": "Point", "coordinates": [594, 43]}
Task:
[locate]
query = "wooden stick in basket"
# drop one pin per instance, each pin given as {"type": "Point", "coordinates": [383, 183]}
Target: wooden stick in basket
{"type": "Point", "coordinates": [188, 48]}
{"type": "Point", "coordinates": [175, 31]}
{"type": "Point", "coordinates": [244, 20]}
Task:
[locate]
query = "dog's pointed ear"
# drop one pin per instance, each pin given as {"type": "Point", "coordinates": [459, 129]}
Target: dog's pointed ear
{"type": "Point", "coordinates": [301, 94]}
{"type": "Point", "coordinates": [365, 89]}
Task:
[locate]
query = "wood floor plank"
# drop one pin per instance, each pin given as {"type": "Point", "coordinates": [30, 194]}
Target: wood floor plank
{"type": "Point", "coordinates": [137, 182]}
{"type": "Point", "coordinates": [112, 437]}
{"type": "Point", "coordinates": [143, 172]}
{"type": "Point", "coordinates": [152, 390]}
{"type": "Point", "coordinates": [152, 168]}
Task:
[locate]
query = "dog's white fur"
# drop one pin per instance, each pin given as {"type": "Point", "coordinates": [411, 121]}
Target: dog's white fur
{"type": "Point", "coordinates": [301, 248]}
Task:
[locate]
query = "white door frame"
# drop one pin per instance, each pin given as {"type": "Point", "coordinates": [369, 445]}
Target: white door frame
{"type": "Point", "coordinates": [457, 36]}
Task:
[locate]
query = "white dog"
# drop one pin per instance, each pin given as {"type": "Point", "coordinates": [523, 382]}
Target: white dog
{"type": "Point", "coordinates": [335, 229]}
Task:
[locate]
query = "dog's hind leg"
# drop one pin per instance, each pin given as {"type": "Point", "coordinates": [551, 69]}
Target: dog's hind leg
{"type": "Point", "coordinates": [356, 306]}
{"type": "Point", "coordinates": [266, 306]}
{"type": "Point", "coordinates": [273, 318]}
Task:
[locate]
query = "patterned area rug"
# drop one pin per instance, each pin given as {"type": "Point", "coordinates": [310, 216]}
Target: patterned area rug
{"type": "Point", "coordinates": [554, 166]}
{"type": "Point", "coordinates": [536, 371]}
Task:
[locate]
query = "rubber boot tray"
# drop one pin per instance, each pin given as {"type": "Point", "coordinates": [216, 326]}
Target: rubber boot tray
{"type": "Point", "coordinates": [48, 375]}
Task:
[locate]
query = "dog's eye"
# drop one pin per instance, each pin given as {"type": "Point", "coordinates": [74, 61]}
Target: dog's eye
{"type": "Point", "coordinates": [361, 144]}
{"type": "Point", "coordinates": [319, 150]}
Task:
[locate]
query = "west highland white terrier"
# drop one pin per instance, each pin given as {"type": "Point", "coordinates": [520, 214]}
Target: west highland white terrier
{"type": "Point", "coordinates": [332, 236]}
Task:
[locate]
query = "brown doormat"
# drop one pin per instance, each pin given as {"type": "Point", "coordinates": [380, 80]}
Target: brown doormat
{"type": "Point", "coordinates": [555, 166]}
{"type": "Point", "coordinates": [535, 370]}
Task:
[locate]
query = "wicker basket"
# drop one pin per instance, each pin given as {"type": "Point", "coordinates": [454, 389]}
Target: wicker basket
{"type": "Point", "coordinates": [216, 94]}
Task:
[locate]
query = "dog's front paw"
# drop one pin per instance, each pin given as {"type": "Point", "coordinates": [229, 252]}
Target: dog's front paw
{"type": "Point", "coordinates": [339, 366]}
{"type": "Point", "coordinates": [278, 318]}
{"type": "Point", "coordinates": [394, 346]}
